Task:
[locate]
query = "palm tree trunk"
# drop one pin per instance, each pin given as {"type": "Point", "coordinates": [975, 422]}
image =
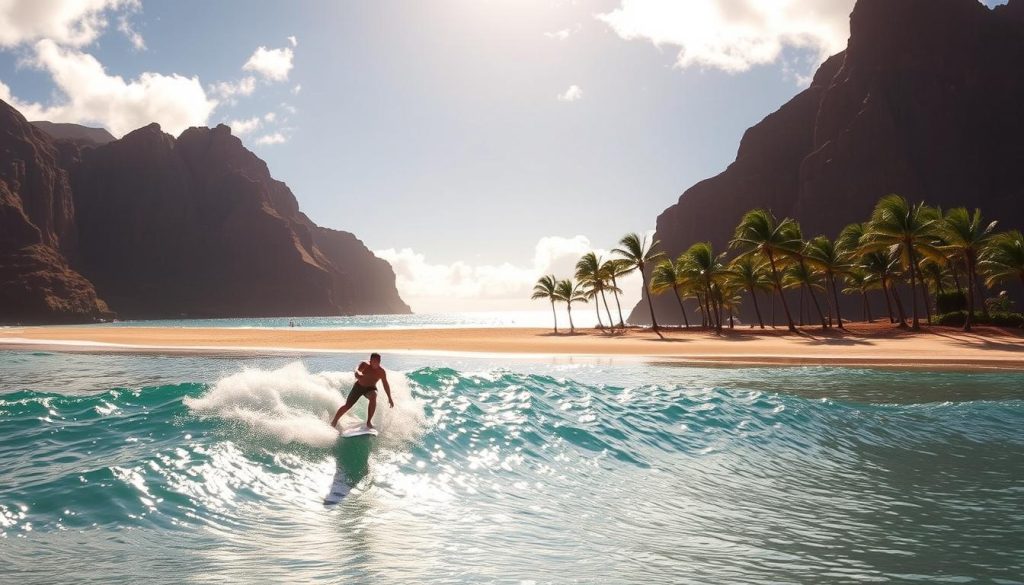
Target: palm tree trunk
{"type": "Point", "coordinates": [753, 295]}
{"type": "Point", "coordinates": [650, 305]}
{"type": "Point", "coordinates": [554, 315]}
{"type": "Point", "coordinates": [715, 318]}
{"type": "Point", "coordinates": [773, 310]}
{"type": "Point", "coordinates": [888, 301]}
{"type": "Point", "coordinates": [814, 297]}
{"type": "Point", "coordinates": [572, 327]}
{"type": "Point", "coordinates": [803, 306]}
{"type": "Point", "coordinates": [732, 324]}
{"type": "Point", "coordinates": [778, 289]}
{"type": "Point", "coordinates": [615, 291]}
{"type": "Point", "coordinates": [956, 276]}
{"type": "Point", "coordinates": [835, 297]}
{"type": "Point", "coordinates": [901, 312]}
{"type": "Point", "coordinates": [720, 314]}
{"type": "Point", "coordinates": [682, 308]}
{"type": "Point", "coordinates": [604, 299]}
{"type": "Point", "coordinates": [597, 311]}
{"type": "Point", "coordinates": [915, 323]}
{"type": "Point", "coordinates": [968, 321]}
{"type": "Point", "coordinates": [864, 304]}
{"type": "Point", "coordinates": [924, 294]}
{"type": "Point", "coordinates": [979, 290]}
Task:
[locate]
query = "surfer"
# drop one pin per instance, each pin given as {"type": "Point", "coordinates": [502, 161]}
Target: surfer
{"type": "Point", "coordinates": [367, 375]}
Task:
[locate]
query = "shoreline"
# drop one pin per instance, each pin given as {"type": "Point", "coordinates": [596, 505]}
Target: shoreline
{"type": "Point", "coordinates": [863, 345]}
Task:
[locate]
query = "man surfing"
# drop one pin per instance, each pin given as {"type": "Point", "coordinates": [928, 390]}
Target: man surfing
{"type": "Point", "coordinates": [367, 375]}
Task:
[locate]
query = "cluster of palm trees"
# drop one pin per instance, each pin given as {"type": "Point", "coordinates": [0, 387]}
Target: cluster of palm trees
{"type": "Point", "coordinates": [920, 247]}
{"type": "Point", "coordinates": [597, 278]}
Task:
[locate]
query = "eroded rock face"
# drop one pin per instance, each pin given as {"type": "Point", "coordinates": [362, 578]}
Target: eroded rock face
{"type": "Point", "coordinates": [925, 102]}
{"type": "Point", "coordinates": [364, 282]}
{"type": "Point", "coordinates": [38, 231]}
{"type": "Point", "coordinates": [197, 226]}
{"type": "Point", "coordinates": [164, 227]}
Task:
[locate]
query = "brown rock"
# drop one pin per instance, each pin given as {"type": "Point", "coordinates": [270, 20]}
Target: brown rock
{"type": "Point", "coordinates": [924, 102]}
{"type": "Point", "coordinates": [37, 231]}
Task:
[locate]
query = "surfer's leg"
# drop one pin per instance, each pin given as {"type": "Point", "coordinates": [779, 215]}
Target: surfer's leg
{"type": "Point", "coordinates": [372, 397]}
{"type": "Point", "coordinates": [353, 396]}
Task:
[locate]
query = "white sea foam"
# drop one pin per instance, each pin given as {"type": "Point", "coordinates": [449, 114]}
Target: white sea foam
{"type": "Point", "coordinates": [291, 404]}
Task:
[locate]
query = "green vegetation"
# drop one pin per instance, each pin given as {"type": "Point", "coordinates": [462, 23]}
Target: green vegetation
{"type": "Point", "coordinates": [946, 261]}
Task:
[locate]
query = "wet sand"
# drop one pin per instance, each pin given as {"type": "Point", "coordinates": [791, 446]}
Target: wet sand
{"type": "Point", "coordinates": [877, 344]}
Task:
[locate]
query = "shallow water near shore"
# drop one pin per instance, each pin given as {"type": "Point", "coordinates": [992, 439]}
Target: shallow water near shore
{"type": "Point", "coordinates": [212, 469]}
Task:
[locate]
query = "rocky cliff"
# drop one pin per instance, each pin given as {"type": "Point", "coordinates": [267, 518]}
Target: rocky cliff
{"type": "Point", "coordinates": [37, 231]}
{"type": "Point", "coordinates": [164, 227]}
{"type": "Point", "coordinates": [925, 102]}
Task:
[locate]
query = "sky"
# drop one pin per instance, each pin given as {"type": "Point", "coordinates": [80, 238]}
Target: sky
{"type": "Point", "coordinates": [474, 144]}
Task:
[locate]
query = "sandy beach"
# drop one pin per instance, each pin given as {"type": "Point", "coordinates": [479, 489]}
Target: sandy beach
{"type": "Point", "coordinates": [862, 345]}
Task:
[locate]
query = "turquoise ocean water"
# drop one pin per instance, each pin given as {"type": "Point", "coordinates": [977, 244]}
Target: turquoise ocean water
{"type": "Point", "coordinates": [144, 468]}
{"type": "Point", "coordinates": [539, 318]}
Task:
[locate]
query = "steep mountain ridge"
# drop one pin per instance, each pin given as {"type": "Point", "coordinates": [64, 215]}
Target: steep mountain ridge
{"type": "Point", "coordinates": [164, 227]}
{"type": "Point", "coordinates": [924, 102]}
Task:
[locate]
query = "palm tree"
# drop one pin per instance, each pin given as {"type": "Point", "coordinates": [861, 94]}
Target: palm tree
{"type": "Point", "coordinates": [705, 269]}
{"type": "Point", "coordinates": [965, 235]}
{"type": "Point", "coordinates": [759, 232]}
{"type": "Point", "coordinates": [1003, 259]}
{"type": "Point", "coordinates": [590, 274]}
{"type": "Point", "coordinates": [799, 276]}
{"type": "Point", "coordinates": [882, 267]}
{"type": "Point", "coordinates": [546, 288]}
{"type": "Point", "coordinates": [729, 298]}
{"type": "Point", "coordinates": [615, 268]}
{"type": "Point", "coordinates": [749, 273]}
{"type": "Point", "coordinates": [639, 254]}
{"type": "Point", "coordinates": [860, 281]}
{"type": "Point", "coordinates": [934, 270]}
{"type": "Point", "coordinates": [570, 292]}
{"type": "Point", "coordinates": [667, 275]}
{"type": "Point", "coordinates": [909, 230]}
{"type": "Point", "coordinates": [807, 273]}
{"type": "Point", "coordinates": [824, 255]}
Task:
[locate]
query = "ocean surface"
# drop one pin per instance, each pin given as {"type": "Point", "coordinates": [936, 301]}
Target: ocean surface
{"type": "Point", "coordinates": [582, 317]}
{"type": "Point", "coordinates": [185, 469]}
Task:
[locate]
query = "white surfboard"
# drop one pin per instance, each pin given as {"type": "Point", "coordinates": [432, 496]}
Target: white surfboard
{"type": "Point", "coordinates": [358, 432]}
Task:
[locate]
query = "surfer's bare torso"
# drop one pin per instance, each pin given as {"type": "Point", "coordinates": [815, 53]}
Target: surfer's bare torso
{"type": "Point", "coordinates": [367, 375]}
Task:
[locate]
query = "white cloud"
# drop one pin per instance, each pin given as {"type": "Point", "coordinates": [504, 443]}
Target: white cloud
{"type": "Point", "coordinates": [271, 64]}
{"type": "Point", "coordinates": [431, 287]}
{"type": "Point", "coordinates": [125, 26]}
{"type": "Point", "coordinates": [570, 95]}
{"type": "Point", "coordinates": [735, 35]}
{"type": "Point", "coordinates": [269, 117]}
{"type": "Point", "coordinates": [297, 89]}
{"type": "Point", "coordinates": [73, 23]}
{"type": "Point", "coordinates": [240, 127]}
{"type": "Point", "coordinates": [90, 95]}
{"type": "Point", "coordinates": [229, 90]}
{"type": "Point", "coordinates": [565, 33]}
{"type": "Point", "coordinates": [274, 138]}
{"type": "Point", "coordinates": [293, 41]}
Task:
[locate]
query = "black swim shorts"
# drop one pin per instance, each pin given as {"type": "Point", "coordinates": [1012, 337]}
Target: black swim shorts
{"type": "Point", "coordinates": [359, 391]}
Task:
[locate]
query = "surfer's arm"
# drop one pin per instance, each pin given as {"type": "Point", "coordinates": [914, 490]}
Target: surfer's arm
{"type": "Point", "coordinates": [387, 389]}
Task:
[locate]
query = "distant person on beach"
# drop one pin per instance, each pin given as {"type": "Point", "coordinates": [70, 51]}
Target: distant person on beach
{"type": "Point", "coordinates": [367, 375]}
